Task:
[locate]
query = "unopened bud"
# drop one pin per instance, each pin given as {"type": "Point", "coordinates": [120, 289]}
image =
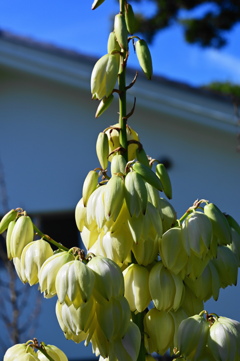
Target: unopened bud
{"type": "Point", "coordinates": [7, 218]}
{"type": "Point", "coordinates": [112, 45]}
{"type": "Point", "coordinates": [144, 57]}
{"type": "Point", "coordinates": [130, 19]}
{"type": "Point", "coordinates": [104, 76]}
{"type": "Point", "coordinates": [96, 4]}
{"type": "Point", "coordinates": [104, 105]}
{"type": "Point", "coordinates": [121, 32]}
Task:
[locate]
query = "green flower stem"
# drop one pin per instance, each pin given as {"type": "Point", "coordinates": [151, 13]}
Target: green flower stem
{"type": "Point", "coordinates": [123, 94]}
{"type": "Point", "coordinates": [138, 320]}
{"type": "Point", "coordinates": [41, 349]}
{"type": "Point", "coordinates": [196, 205]}
{"type": "Point", "coordinates": [122, 111]}
{"type": "Point", "coordinates": [49, 239]}
{"type": "Point", "coordinates": [186, 214]}
{"type": "Point", "coordinates": [122, 6]}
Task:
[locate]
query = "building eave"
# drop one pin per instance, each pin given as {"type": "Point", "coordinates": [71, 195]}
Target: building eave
{"type": "Point", "coordinates": [74, 69]}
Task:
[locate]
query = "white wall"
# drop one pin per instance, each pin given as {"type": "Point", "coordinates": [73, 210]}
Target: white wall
{"type": "Point", "coordinates": [48, 134]}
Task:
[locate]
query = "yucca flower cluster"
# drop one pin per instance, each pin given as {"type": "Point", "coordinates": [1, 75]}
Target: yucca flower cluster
{"type": "Point", "coordinates": [91, 306]}
{"type": "Point", "coordinates": [170, 266]}
{"type": "Point", "coordinates": [140, 285]}
{"type": "Point", "coordinates": [208, 337]}
{"type": "Point", "coordinates": [26, 352]}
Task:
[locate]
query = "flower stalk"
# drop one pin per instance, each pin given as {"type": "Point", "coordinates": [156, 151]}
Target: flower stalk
{"type": "Point", "coordinates": [49, 239]}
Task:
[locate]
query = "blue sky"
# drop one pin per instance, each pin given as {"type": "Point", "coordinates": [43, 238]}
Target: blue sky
{"type": "Point", "coordinates": [72, 24]}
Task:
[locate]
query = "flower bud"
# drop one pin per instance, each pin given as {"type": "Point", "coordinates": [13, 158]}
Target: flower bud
{"type": "Point", "coordinates": [118, 164]}
{"type": "Point", "coordinates": [49, 270]}
{"type": "Point", "coordinates": [135, 194]}
{"type": "Point", "coordinates": [7, 218]}
{"type": "Point", "coordinates": [145, 247]}
{"type": "Point", "coordinates": [168, 214]}
{"type": "Point", "coordinates": [113, 317]}
{"type": "Point", "coordinates": [108, 278]}
{"type": "Point", "coordinates": [19, 269]}
{"type": "Point", "coordinates": [136, 280]}
{"type": "Point", "coordinates": [113, 141]}
{"type": "Point", "coordinates": [114, 197]}
{"type": "Point", "coordinates": [207, 285]}
{"type": "Point", "coordinates": [33, 256]}
{"type": "Point", "coordinates": [148, 175]}
{"type": "Point", "coordinates": [22, 234]}
{"type": "Point", "coordinates": [197, 234]}
{"type": "Point", "coordinates": [96, 4]}
{"type": "Point", "coordinates": [112, 45]}
{"type": "Point", "coordinates": [100, 344]}
{"type": "Point", "coordinates": [68, 323]}
{"type": "Point", "coordinates": [191, 304]}
{"type": "Point", "coordinates": [158, 331]}
{"type": "Point", "coordinates": [221, 228]}
{"type": "Point", "coordinates": [127, 348]}
{"type": "Point", "coordinates": [102, 149]}
{"type": "Point", "coordinates": [235, 245]}
{"type": "Point", "coordinates": [28, 357]}
{"type": "Point", "coordinates": [15, 352]}
{"type": "Point", "coordinates": [89, 237]}
{"type": "Point", "coordinates": [172, 252]}
{"type": "Point", "coordinates": [8, 239]}
{"type": "Point", "coordinates": [227, 266]}
{"type": "Point", "coordinates": [116, 245]}
{"type": "Point", "coordinates": [162, 173]}
{"type": "Point", "coordinates": [178, 316]}
{"type": "Point", "coordinates": [104, 76]}
{"type": "Point", "coordinates": [104, 105]}
{"type": "Point", "coordinates": [192, 336]}
{"type": "Point", "coordinates": [224, 339]}
{"type": "Point", "coordinates": [74, 283]}
{"type": "Point", "coordinates": [195, 265]}
{"type": "Point", "coordinates": [54, 352]}
{"type": "Point", "coordinates": [95, 214]}
{"type": "Point", "coordinates": [233, 223]}
{"type": "Point", "coordinates": [120, 30]}
{"type": "Point", "coordinates": [89, 185]}
{"type": "Point", "coordinates": [142, 156]}
{"type": "Point", "coordinates": [166, 288]}
{"type": "Point", "coordinates": [130, 19]}
{"type": "Point", "coordinates": [80, 215]}
{"type": "Point", "coordinates": [144, 57]}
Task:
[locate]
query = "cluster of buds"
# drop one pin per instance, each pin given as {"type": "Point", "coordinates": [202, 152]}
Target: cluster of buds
{"type": "Point", "coordinates": [171, 264]}
{"type": "Point", "coordinates": [91, 306]}
{"type": "Point", "coordinates": [141, 259]}
{"type": "Point", "coordinates": [208, 338]}
{"type": "Point", "coordinates": [26, 352]}
{"type": "Point", "coordinates": [122, 214]}
{"type": "Point", "coordinates": [28, 255]}
{"type": "Point", "coordinates": [107, 69]}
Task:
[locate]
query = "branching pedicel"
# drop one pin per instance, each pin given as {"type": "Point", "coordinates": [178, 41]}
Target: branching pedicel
{"type": "Point", "coordinates": [141, 287]}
